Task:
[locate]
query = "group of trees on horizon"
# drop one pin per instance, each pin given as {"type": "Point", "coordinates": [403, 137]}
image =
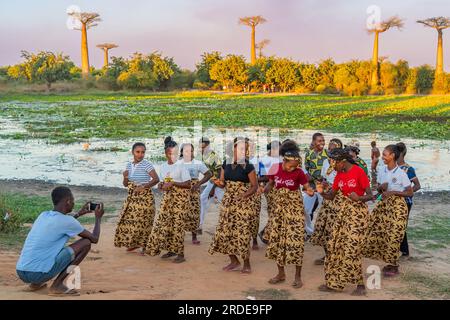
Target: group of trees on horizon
{"type": "Point", "coordinates": [232, 72]}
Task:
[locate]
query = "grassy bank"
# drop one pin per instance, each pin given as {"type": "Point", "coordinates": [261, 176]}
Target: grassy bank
{"type": "Point", "coordinates": [78, 117]}
{"type": "Point", "coordinates": [20, 211]}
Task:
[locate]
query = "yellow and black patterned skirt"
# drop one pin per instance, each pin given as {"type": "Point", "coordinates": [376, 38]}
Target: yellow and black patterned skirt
{"type": "Point", "coordinates": [136, 220]}
{"type": "Point", "coordinates": [255, 221]}
{"type": "Point", "coordinates": [325, 221]}
{"type": "Point", "coordinates": [168, 231]}
{"type": "Point", "coordinates": [387, 224]}
{"type": "Point", "coordinates": [287, 231]}
{"type": "Point", "coordinates": [233, 232]}
{"type": "Point", "coordinates": [192, 222]}
{"type": "Point", "coordinates": [343, 262]}
{"type": "Point", "coordinates": [269, 198]}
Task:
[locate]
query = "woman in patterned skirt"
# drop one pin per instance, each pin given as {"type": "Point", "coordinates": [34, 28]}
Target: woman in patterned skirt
{"type": "Point", "coordinates": [233, 232]}
{"type": "Point", "coordinates": [343, 262]}
{"type": "Point", "coordinates": [388, 220]}
{"type": "Point", "coordinates": [168, 232]}
{"type": "Point", "coordinates": [287, 229]}
{"type": "Point", "coordinates": [195, 168]}
{"type": "Point", "coordinates": [327, 212]}
{"type": "Point", "coordinates": [136, 220]}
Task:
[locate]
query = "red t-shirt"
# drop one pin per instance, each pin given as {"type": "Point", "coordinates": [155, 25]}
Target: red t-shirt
{"type": "Point", "coordinates": [354, 180]}
{"type": "Point", "coordinates": [283, 179]}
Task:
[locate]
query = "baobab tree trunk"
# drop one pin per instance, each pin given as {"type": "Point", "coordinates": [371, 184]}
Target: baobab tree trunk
{"type": "Point", "coordinates": [375, 66]}
{"type": "Point", "coordinates": [106, 58]}
{"type": "Point", "coordinates": [440, 55]}
{"type": "Point", "coordinates": [253, 53]}
{"type": "Point", "coordinates": [84, 52]}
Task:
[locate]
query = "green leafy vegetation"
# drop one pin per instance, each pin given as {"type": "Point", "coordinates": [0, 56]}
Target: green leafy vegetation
{"type": "Point", "coordinates": [72, 118]}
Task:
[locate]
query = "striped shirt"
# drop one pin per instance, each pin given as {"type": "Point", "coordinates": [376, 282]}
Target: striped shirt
{"type": "Point", "coordinates": [138, 173]}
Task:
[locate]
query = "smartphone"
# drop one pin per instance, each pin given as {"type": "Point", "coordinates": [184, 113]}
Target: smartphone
{"type": "Point", "coordinates": [92, 206]}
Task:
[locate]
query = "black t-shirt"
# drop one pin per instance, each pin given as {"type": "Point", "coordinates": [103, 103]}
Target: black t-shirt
{"type": "Point", "coordinates": [239, 173]}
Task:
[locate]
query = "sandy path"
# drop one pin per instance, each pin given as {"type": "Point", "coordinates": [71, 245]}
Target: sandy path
{"type": "Point", "coordinates": [111, 273]}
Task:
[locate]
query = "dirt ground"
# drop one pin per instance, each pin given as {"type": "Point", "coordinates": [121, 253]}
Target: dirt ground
{"type": "Point", "coordinates": [111, 273]}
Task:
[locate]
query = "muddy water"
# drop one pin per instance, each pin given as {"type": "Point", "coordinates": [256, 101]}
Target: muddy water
{"type": "Point", "coordinates": [101, 162]}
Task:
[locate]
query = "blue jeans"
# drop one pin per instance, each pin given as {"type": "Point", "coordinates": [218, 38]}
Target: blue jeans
{"type": "Point", "coordinates": [62, 261]}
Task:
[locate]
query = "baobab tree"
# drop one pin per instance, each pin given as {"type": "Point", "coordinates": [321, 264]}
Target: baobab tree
{"type": "Point", "coordinates": [392, 22]}
{"type": "Point", "coordinates": [438, 23]}
{"type": "Point", "coordinates": [261, 45]}
{"type": "Point", "coordinates": [87, 21]}
{"type": "Point", "coordinates": [106, 47]}
{"type": "Point", "coordinates": [252, 22]}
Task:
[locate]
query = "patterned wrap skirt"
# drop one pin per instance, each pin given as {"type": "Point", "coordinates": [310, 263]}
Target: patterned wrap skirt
{"type": "Point", "coordinates": [168, 231]}
{"type": "Point", "coordinates": [387, 225]}
{"type": "Point", "coordinates": [233, 232]}
{"type": "Point", "coordinates": [192, 222]}
{"type": "Point", "coordinates": [136, 220]}
{"type": "Point", "coordinates": [287, 231]}
{"type": "Point", "coordinates": [325, 221]}
{"type": "Point", "coordinates": [255, 220]}
{"type": "Point", "coordinates": [343, 262]}
{"type": "Point", "coordinates": [269, 198]}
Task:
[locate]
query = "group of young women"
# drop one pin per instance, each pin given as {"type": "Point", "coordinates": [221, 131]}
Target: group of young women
{"type": "Point", "coordinates": [335, 179]}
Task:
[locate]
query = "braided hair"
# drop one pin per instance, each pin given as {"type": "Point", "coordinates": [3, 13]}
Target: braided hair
{"type": "Point", "coordinates": [340, 154]}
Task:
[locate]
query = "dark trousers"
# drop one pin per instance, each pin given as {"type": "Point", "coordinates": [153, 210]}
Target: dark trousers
{"type": "Point", "coordinates": [404, 248]}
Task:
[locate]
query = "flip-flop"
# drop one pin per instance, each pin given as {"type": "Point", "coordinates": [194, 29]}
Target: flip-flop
{"type": "Point", "coordinates": [68, 292]}
{"type": "Point", "coordinates": [276, 281]}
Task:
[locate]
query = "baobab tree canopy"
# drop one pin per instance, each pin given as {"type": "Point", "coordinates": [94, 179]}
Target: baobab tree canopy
{"type": "Point", "coordinates": [392, 22]}
{"type": "Point", "coordinates": [252, 21]}
{"type": "Point", "coordinates": [438, 23]}
{"type": "Point", "coordinates": [107, 46]}
{"type": "Point", "coordinates": [89, 19]}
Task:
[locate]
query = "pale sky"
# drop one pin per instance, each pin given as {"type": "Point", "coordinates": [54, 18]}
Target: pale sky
{"type": "Point", "coordinates": [305, 30]}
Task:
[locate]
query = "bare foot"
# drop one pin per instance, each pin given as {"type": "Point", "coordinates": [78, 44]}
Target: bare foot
{"type": "Point", "coordinates": [246, 270]}
{"type": "Point", "coordinates": [179, 259]}
{"type": "Point", "coordinates": [359, 291]}
{"type": "Point", "coordinates": [232, 267]}
{"type": "Point", "coordinates": [168, 255]}
{"type": "Point", "coordinates": [35, 287]}
{"type": "Point", "coordinates": [297, 284]}
{"type": "Point", "coordinates": [277, 279]}
{"type": "Point", "coordinates": [324, 288]}
{"type": "Point", "coordinates": [62, 291]}
{"type": "Point", "coordinates": [319, 262]}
